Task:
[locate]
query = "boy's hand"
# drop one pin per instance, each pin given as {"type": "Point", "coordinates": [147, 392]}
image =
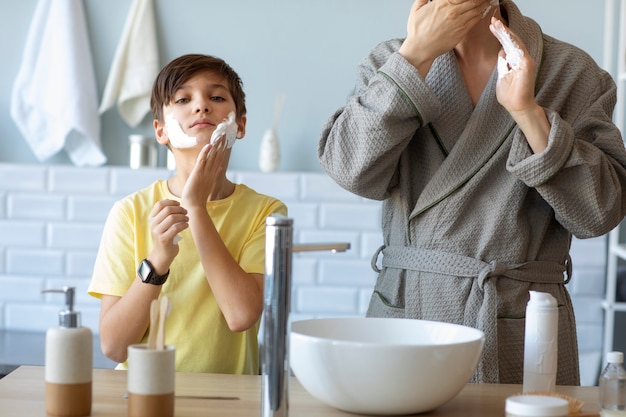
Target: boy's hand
{"type": "Point", "coordinates": [167, 219]}
{"type": "Point", "coordinates": [204, 178]}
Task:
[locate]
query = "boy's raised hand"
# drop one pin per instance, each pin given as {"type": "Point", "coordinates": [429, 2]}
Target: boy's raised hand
{"type": "Point", "coordinates": [205, 178]}
{"type": "Point", "coordinates": [167, 219]}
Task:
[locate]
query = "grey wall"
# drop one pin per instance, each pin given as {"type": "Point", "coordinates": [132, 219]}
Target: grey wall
{"type": "Point", "coordinates": [305, 49]}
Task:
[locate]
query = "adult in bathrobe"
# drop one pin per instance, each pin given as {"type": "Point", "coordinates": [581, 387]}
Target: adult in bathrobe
{"type": "Point", "coordinates": [484, 180]}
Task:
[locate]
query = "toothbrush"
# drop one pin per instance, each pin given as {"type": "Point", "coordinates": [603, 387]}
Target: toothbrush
{"type": "Point", "coordinates": [154, 320]}
{"type": "Point", "coordinates": [164, 311]}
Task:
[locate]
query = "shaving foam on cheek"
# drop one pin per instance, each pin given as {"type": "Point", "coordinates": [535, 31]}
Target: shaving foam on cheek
{"type": "Point", "coordinates": [512, 51]}
{"type": "Point", "coordinates": [178, 138]}
{"type": "Point", "coordinates": [228, 128]}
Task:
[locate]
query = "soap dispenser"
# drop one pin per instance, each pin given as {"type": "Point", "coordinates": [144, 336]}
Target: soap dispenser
{"type": "Point", "coordinates": [69, 363]}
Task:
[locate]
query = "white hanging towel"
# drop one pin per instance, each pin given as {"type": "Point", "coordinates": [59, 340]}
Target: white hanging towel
{"type": "Point", "coordinates": [135, 66]}
{"type": "Point", "coordinates": [54, 100]}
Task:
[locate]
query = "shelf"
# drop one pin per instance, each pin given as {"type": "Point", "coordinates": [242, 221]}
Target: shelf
{"type": "Point", "coordinates": [615, 46]}
{"type": "Point", "coordinates": [616, 306]}
{"type": "Point", "coordinates": [618, 250]}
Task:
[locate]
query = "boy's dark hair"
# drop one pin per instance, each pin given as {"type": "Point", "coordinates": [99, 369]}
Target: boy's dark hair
{"type": "Point", "coordinates": [177, 72]}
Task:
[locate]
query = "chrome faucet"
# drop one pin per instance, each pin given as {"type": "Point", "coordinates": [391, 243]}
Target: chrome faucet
{"type": "Point", "coordinates": [279, 249]}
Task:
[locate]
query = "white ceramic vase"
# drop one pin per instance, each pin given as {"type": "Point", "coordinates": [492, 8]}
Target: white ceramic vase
{"type": "Point", "coordinates": [269, 155]}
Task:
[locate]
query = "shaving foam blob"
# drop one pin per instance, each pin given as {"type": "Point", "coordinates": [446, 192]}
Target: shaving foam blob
{"type": "Point", "coordinates": [228, 128]}
{"type": "Point", "coordinates": [178, 138]}
{"type": "Point", "coordinates": [512, 51]}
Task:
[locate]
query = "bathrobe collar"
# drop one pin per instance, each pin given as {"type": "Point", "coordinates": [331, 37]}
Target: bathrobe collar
{"type": "Point", "coordinates": [471, 136]}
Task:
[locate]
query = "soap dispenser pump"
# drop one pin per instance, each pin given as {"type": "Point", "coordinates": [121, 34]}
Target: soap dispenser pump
{"type": "Point", "coordinates": [69, 363]}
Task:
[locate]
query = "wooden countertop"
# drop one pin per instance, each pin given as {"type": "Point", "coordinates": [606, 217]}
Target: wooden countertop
{"type": "Point", "coordinates": [22, 394]}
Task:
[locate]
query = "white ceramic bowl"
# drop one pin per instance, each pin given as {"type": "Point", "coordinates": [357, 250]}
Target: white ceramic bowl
{"type": "Point", "coordinates": [383, 366]}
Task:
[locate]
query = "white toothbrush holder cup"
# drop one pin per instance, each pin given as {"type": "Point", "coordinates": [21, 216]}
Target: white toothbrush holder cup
{"type": "Point", "coordinates": [151, 381]}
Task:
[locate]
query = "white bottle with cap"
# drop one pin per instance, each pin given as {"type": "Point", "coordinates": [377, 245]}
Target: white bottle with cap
{"type": "Point", "coordinates": [541, 343]}
{"type": "Point", "coordinates": [613, 386]}
{"type": "Point", "coordinates": [69, 363]}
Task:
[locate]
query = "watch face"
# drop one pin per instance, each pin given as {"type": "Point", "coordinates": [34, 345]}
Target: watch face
{"type": "Point", "coordinates": [144, 271]}
{"type": "Point", "coordinates": [148, 276]}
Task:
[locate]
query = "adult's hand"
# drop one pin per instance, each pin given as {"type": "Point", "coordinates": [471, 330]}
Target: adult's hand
{"type": "Point", "coordinates": [436, 27]}
{"type": "Point", "coordinates": [515, 89]}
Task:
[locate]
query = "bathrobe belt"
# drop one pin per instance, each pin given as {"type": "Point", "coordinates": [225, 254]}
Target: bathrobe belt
{"type": "Point", "coordinates": [439, 262]}
{"type": "Point", "coordinates": [484, 314]}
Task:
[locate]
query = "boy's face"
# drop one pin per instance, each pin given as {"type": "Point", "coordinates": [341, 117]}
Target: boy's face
{"type": "Point", "coordinates": [201, 103]}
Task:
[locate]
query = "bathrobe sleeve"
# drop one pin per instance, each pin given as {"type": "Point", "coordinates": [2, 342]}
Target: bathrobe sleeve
{"type": "Point", "coordinates": [361, 143]}
{"type": "Point", "coordinates": [582, 173]}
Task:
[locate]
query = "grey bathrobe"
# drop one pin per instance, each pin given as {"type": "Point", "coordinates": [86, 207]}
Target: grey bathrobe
{"type": "Point", "coordinates": [472, 219]}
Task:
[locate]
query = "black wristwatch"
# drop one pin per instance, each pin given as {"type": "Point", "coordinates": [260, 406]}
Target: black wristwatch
{"type": "Point", "coordinates": [148, 276]}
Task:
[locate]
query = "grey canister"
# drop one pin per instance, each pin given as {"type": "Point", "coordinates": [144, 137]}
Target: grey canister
{"type": "Point", "coordinates": [143, 151]}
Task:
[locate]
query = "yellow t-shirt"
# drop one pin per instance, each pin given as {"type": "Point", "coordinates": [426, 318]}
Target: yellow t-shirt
{"type": "Point", "coordinates": [195, 326]}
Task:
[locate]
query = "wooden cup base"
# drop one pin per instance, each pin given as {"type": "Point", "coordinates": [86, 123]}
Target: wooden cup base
{"type": "Point", "coordinates": [68, 400]}
{"type": "Point", "coordinates": [160, 405]}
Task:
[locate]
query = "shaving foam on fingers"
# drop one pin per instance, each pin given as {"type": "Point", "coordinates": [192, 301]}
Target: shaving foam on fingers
{"type": "Point", "coordinates": [178, 138]}
{"type": "Point", "coordinates": [514, 54]}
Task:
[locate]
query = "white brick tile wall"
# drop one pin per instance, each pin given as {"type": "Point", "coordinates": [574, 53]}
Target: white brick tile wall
{"type": "Point", "coordinates": [350, 216]}
{"type": "Point", "coordinates": [51, 220]}
{"type": "Point", "coordinates": [89, 208]}
{"type": "Point", "coordinates": [587, 280]}
{"type": "Point", "coordinates": [346, 273]}
{"type": "Point", "coordinates": [36, 207]}
{"type": "Point", "coordinates": [589, 337]}
{"type": "Point", "coordinates": [89, 181]}
{"type": "Point", "coordinates": [21, 289]}
{"type": "Point", "coordinates": [125, 180]}
{"type": "Point", "coordinates": [15, 177]}
{"type": "Point", "coordinates": [588, 311]}
{"type": "Point", "coordinates": [321, 300]}
{"type": "Point", "coordinates": [74, 235]}
{"type": "Point", "coordinates": [305, 215]}
{"type": "Point", "coordinates": [80, 263]}
{"type": "Point", "coordinates": [35, 262]}
{"type": "Point", "coordinates": [364, 300]}
{"type": "Point", "coordinates": [283, 186]}
{"type": "Point", "coordinates": [319, 187]}
{"type": "Point", "coordinates": [304, 271]}
{"type": "Point", "coordinates": [22, 234]}
{"type": "Point", "coordinates": [31, 317]}
{"type": "Point", "coordinates": [3, 202]}
{"type": "Point", "coordinates": [370, 242]}
{"type": "Point", "coordinates": [589, 252]}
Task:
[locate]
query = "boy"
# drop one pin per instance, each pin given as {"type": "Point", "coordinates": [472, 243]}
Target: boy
{"type": "Point", "coordinates": [197, 237]}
